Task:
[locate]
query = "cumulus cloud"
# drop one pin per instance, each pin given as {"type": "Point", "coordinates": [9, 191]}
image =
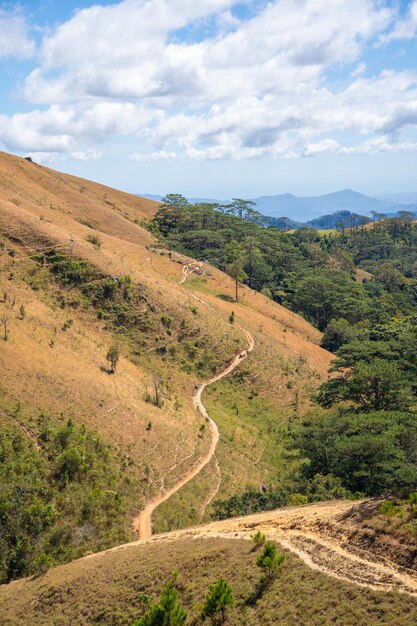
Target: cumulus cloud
{"type": "Point", "coordinates": [15, 40]}
{"type": "Point", "coordinates": [162, 155]}
{"type": "Point", "coordinates": [321, 147]}
{"type": "Point", "coordinates": [255, 87]}
{"type": "Point", "coordinates": [403, 29]}
{"type": "Point", "coordinates": [88, 155]}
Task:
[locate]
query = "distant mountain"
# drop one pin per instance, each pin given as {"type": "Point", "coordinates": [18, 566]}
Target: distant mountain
{"type": "Point", "coordinates": [157, 198]}
{"type": "Point", "coordinates": [394, 211]}
{"type": "Point", "coordinates": [303, 209]}
{"type": "Point", "coordinates": [399, 198]}
{"type": "Point", "coordinates": [150, 196]}
{"type": "Point", "coordinates": [283, 223]}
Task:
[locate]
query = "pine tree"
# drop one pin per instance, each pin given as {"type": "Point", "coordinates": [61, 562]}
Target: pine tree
{"type": "Point", "coordinates": [218, 599]}
{"type": "Point", "coordinates": [168, 612]}
{"type": "Point", "coordinates": [269, 561]}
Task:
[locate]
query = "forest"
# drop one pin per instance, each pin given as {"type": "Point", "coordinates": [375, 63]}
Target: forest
{"type": "Point", "coordinates": [359, 287]}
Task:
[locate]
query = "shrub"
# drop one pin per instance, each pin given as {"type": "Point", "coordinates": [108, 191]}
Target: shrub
{"type": "Point", "coordinates": [95, 240]}
{"type": "Point", "coordinates": [258, 539]}
{"type": "Point", "coordinates": [113, 356]}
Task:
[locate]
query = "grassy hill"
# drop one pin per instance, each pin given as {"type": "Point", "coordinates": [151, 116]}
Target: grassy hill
{"type": "Point", "coordinates": [111, 589]}
{"type": "Point", "coordinates": [78, 275]}
{"type": "Point", "coordinates": [84, 448]}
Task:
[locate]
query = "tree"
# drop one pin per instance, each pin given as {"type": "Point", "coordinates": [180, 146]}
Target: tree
{"type": "Point", "coordinates": [234, 254]}
{"type": "Point", "coordinates": [170, 212]}
{"type": "Point", "coordinates": [269, 561]}
{"type": "Point", "coordinates": [376, 386]}
{"type": "Point", "coordinates": [371, 453]}
{"type": "Point", "coordinates": [217, 601]}
{"type": "Point", "coordinates": [168, 612]}
{"type": "Point", "coordinates": [176, 200]}
{"type": "Point", "coordinates": [328, 295]}
{"type": "Point", "coordinates": [243, 209]}
{"type": "Point", "coordinates": [22, 312]}
{"type": "Point", "coordinates": [157, 388]}
{"type": "Point", "coordinates": [5, 321]}
{"type": "Point", "coordinates": [113, 356]}
{"type": "Point", "coordinates": [337, 333]}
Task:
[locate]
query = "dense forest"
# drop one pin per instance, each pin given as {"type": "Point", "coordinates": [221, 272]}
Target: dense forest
{"type": "Point", "coordinates": [359, 287]}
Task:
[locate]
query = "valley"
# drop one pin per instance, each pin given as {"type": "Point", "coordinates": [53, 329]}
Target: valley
{"type": "Point", "coordinates": [193, 418]}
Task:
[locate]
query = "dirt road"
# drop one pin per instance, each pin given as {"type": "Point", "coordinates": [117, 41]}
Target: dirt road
{"type": "Point", "coordinates": [305, 531]}
{"type": "Point", "coordinates": [142, 523]}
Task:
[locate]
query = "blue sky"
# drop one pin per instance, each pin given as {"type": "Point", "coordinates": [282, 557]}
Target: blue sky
{"type": "Point", "coordinates": [214, 98]}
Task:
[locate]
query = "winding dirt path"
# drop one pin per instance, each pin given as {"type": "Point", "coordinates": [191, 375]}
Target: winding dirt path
{"type": "Point", "coordinates": [302, 530]}
{"type": "Point", "coordinates": [142, 523]}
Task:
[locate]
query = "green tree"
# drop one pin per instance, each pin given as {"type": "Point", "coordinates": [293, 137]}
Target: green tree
{"type": "Point", "coordinates": [234, 254]}
{"type": "Point", "coordinates": [170, 212]}
{"type": "Point", "coordinates": [243, 209]}
{"type": "Point", "coordinates": [168, 612]}
{"type": "Point", "coordinates": [113, 356]}
{"type": "Point", "coordinates": [217, 601]}
{"type": "Point", "coordinates": [376, 386]}
{"type": "Point", "coordinates": [371, 453]}
{"type": "Point", "coordinates": [269, 561]}
{"type": "Point", "coordinates": [328, 295]}
{"type": "Point", "coordinates": [337, 333]}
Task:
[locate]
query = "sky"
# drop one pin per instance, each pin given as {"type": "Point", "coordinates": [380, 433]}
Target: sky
{"type": "Point", "coordinates": [214, 98]}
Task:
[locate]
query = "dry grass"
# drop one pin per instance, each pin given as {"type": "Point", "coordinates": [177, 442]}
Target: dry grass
{"type": "Point", "coordinates": [47, 369]}
{"type": "Point", "coordinates": [108, 589]}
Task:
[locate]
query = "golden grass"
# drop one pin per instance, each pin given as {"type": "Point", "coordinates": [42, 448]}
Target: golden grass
{"type": "Point", "coordinates": [108, 589]}
{"type": "Point", "coordinates": [47, 369]}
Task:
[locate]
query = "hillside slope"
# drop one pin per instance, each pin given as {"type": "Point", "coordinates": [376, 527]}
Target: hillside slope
{"type": "Point", "coordinates": [168, 334]}
{"type": "Point", "coordinates": [110, 587]}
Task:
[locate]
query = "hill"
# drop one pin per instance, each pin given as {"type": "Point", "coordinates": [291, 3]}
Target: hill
{"type": "Point", "coordinates": [79, 275]}
{"type": "Point", "coordinates": [339, 219]}
{"type": "Point", "coordinates": [144, 390]}
{"type": "Point", "coordinates": [113, 587]}
{"type": "Point", "coordinates": [399, 198]}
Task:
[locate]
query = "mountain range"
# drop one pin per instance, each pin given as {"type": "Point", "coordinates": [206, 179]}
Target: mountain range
{"type": "Point", "coordinates": [304, 209]}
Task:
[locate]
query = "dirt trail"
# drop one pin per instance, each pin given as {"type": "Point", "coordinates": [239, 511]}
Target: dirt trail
{"type": "Point", "coordinates": [303, 530]}
{"type": "Point", "coordinates": [188, 269]}
{"type": "Point", "coordinates": [142, 523]}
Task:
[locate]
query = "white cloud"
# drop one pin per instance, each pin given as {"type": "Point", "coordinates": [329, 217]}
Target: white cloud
{"type": "Point", "coordinates": [88, 155]}
{"type": "Point", "coordinates": [60, 128]}
{"type": "Point", "coordinates": [321, 147]}
{"type": "Point", "coordinates": [403, 29]}
{"type": "Point", "coordinates": [376, 145]}
{"type": "Point", "coordinates": [254, 88]}
{"type": "Point", "coordinates": [15, 40]}
{"type": "Point", "coordinates": [162, 155]}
